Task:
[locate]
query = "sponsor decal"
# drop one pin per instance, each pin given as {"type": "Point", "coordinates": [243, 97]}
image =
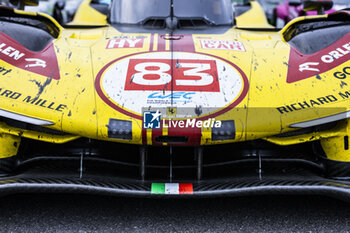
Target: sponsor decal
{"type": "Point", "coordinates": [191, 123]}
{"type": "Point", "coordinates": [125, 43]}
{"type": "Point", "coordinates": [175, 95]}
{"type": "Point", "coordinates": [35, 62]}
{"type": "Point", "coordinates": [10, 94]}
{"type": "Point", "coordinates": [307, 104]}
{"type": "Point", "coordinates": [223, 45]}
{"type": "Point", "coordinates": [151, 120]}
{"type": "Point", "coordinates": [152, 79]}
{"type": "Point", "coordinates": [315, 102]}
{"type": "Point", "coordinates": [42, 63]}
{"type": "Point", "coordinates": [172, 188]}
{"type": "Point", "coordinates": [171, 111]}
{"type": "Point", "coordinates": [159, 98]}
{"type": "Point", "coordinates": [344, 73]}
{"type": "Point", "coordinates": [10, 52]}
{"type": "Point", "coordinates": [303, 66]}
{"type": "Point", "coordinates": [173, 98]}
{"type": "Point", "coordinates": [5, 71]}
{"type": "Point", "coordinates": [310, 66]}
{"type": "Point", "coordinates": [344, 94]}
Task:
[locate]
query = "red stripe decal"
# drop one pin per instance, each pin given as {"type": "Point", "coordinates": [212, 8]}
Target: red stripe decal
{"type": "Point", "coordinates": [304, 66]}
{"type": "Point", "coordinates": [185, 44]}
{"type": "Point", "coordinates": [42, 63]}
{"type": "Point", "coordinates": [193, 134]}
{"type": "Point", "coordinates": [151, 42]}
{"type": "Point", "coordinates": [156, 133]}
{"type": "Point", "coordinates": [161, 43]}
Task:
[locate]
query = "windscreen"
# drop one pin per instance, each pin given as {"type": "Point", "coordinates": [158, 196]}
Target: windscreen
{"type": "Point", "coordinates": [274, 2]}
{"type": "Point", "coordinates": [137, 11]}
{"type": "Point", "coordinates": [217, 12]}
{"type": "Point", "coordinates": [341, 2]}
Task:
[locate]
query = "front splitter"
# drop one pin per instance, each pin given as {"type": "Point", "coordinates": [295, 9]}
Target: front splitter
{"type": "Point", "coordinates": [237, 186]}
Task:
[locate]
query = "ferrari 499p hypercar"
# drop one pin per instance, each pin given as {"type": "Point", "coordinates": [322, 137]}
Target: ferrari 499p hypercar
{"type": "Point", "coordinates": [171, 97]}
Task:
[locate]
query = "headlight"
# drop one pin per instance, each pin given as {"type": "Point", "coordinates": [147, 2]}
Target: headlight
{"type": "Point", "coordinates": [119, 129]}
{"type": "Point", "coordinates": [227, 131]}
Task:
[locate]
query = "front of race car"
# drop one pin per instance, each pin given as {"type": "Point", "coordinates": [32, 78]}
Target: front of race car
{"type": "Point", "coordinates": [167, 100]}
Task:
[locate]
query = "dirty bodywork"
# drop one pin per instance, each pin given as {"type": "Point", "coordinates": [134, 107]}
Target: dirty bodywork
{"type": "Point", "coordinates": [76, 98]}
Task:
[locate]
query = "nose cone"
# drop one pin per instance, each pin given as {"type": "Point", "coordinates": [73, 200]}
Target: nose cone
{"type": "Point", "coordinates": [183, 77]}
{"type": "Point", "coordinates": [172, 74]}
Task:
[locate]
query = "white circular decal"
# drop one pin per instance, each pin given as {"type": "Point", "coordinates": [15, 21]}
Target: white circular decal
{"type": "Point", "coordinates": [162, 79]}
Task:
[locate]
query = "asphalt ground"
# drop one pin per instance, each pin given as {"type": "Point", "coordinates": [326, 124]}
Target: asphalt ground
{"type": "Point", "coordinates": [86, 213]}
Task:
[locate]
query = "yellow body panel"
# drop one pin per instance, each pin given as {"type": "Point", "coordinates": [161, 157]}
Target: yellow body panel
{"type": "Point", "coordinates": [9, 145]}
{"type": "Point", "coordinates": [254, 18]}
{"type": "Point", "coordinates": [268, 89]}
{"type": "Point", "coordinates": [76, 105]}
{"type": "Point", "coordinates": [337, 148]}
{"type": "Point", "coordinates": [86, 15]}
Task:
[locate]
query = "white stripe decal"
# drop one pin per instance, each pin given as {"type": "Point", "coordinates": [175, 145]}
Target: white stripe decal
{"type": "Point", "coordinates": [26, 119]}
{"type": "Point", "coordinates": [321, 121]}
{"type": "Point", "coordinates": [171, 188]}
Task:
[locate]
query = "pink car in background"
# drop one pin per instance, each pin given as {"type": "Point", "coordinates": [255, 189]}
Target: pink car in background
{"type": "Point", "coordinates": [280, 12]}
{"type": "Point", "coordinates": [290, 9]}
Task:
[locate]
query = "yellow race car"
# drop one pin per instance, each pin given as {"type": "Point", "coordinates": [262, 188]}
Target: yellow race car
{"type": "Point", "coordinates": [170, 97]}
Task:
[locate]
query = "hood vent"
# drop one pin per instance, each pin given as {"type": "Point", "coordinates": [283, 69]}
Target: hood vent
{"type": "Point", "coordinates": [192, 23]}
{"type": "Point", "coordinates": [179, 23]}
{"type": "Point", "coordinates": [154, 23]}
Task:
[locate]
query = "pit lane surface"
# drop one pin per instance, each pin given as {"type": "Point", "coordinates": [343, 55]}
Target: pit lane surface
{"type": "Point", "coordinates": [86, 213]}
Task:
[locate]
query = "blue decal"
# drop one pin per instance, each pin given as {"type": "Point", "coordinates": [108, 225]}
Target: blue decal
{"type": "Point", "coordinates": [175, 95]}
{"type": "Point", "coordinates": [151, 120]}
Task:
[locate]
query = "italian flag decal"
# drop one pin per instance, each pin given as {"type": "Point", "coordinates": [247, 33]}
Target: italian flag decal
{"type": "Point", "coordinates": [171, 188]}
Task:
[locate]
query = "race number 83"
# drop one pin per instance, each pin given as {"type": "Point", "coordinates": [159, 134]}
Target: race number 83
{"type": "Point", "coordinates": [182, 74]}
